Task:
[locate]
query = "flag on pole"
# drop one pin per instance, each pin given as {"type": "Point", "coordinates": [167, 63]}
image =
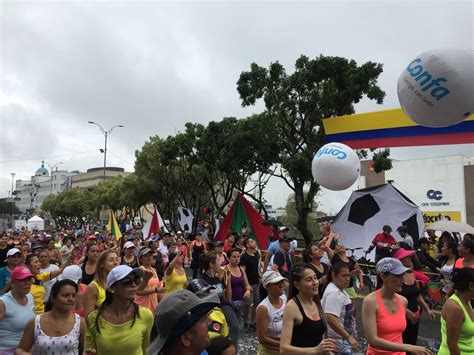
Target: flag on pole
{"type": "Point", "coordinates": [113, 226]}
{"type": "Point", "coordinates": [185, 219]}
{"type": "Point", "coordinates": [153, 225]}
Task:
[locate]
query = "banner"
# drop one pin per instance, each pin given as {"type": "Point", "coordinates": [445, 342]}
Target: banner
{"type": "Point", "coordinates": [435, 216]}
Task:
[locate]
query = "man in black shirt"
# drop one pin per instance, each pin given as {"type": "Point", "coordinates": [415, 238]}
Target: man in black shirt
{"type": "Point", "coordinates": [250, 262]}
{"type": "Point", "coordinates": [4, 248]}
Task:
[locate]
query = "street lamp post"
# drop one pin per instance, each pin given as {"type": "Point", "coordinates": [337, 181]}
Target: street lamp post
{"type": "Point", "coordinates": [51, 167]}
{"type": "Point", "coordinates": [106, 134]}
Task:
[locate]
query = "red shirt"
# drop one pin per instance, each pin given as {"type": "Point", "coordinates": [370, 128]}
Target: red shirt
{"type": "Point", "coordinates": [383, 242]}
{"type": "Point", "coordinates": [227, 247]}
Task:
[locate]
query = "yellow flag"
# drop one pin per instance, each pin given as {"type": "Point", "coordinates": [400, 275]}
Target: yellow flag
{"type": "Point", "coordinates": [113, 226]}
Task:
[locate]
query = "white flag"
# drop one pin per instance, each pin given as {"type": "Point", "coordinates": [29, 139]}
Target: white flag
{"type": "Point", "coordinates": [185, 219]}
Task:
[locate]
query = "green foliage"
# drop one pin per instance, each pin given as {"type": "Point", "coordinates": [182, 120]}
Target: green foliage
{"type": "Point", "coordinates": [6, 207]}
{"type": "Point", "coordinates": [381, 160]}
{"type": "Point", "coordinates": [291, 217]}
{"type": "Point", "coordinates": [319, 88]}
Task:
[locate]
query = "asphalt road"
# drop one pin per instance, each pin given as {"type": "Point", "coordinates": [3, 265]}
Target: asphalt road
{"type": "Point", "coordinates": [429, 335]}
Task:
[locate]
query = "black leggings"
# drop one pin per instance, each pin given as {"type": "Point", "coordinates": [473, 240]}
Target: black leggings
{"type": "Point", "coordinates": [410, 335]}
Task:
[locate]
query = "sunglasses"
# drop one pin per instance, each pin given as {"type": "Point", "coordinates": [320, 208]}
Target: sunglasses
{"type": "Point", "coordinates": [130, 281]}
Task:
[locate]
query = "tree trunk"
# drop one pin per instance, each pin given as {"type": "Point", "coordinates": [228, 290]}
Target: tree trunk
{"type": "Point", "coordinates": [303, 206]}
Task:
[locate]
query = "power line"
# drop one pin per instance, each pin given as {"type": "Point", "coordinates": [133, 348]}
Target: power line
{"type": "Point", "coordinates": [118, 156]}
{"type": "Point", "coordinates": [47, 157]}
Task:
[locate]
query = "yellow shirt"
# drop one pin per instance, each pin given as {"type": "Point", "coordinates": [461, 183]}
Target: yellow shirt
{"type": "Point", "coordinates": [37, 291]}
{"type": "Point", "coordinates": [433, 250]}
{"type": "Point", "coordinates": [101, 292]}
{"type": "Point", "coordinates": [174, 282]}
{"type": "Point", "coordinates": [122, 339]}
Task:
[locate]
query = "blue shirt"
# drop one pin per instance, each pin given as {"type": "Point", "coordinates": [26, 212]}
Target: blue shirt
{"type": "Point", "coordinates": [4, 278]}
{"type": "Point", "coordinates": [14, 321]}
{"type": "Point", "coordinates": [273, 247]}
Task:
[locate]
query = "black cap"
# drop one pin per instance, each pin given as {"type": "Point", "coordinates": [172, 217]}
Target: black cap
{"type": "Point", "coordinates": [219, 244]}
{"type": "Point", "coordinates": [387, 228]}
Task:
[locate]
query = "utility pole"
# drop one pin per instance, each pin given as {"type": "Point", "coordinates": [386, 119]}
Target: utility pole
{"type": "Point", "coordinates": [106, 134]}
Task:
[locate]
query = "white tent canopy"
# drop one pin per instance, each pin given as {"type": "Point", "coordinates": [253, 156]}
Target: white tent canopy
{"type": "Point", "coordinates": [35, 222]}
{"type": "Point", "coordinates": [368, 210]}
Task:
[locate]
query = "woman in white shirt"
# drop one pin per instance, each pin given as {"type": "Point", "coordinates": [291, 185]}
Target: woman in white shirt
{"type": "Point", "coordinates": [270, 314]}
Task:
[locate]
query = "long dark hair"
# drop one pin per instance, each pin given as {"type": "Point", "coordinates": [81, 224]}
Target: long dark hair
{"type": "Point", "coordinates": [88, 247]}
{"type": "Point", "coordinates": [205, 260]}
{"type": "Point", "coordinates": [307, 258]}
{"type": "Point", "coordinates": [55, 292]}
{"type": "Point", "coordinates": [297, 275]}
{"type": "Point", "coordinates": [109, 299]}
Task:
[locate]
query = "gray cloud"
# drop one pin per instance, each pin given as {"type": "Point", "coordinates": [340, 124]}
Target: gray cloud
{"type": "Point", "coordinates": [153, 66]}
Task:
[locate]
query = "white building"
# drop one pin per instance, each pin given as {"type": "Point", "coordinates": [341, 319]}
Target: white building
{"type": "Point", "coordinates": [442, 186]}
{"type": "Point", "coordinates": [29, 195]}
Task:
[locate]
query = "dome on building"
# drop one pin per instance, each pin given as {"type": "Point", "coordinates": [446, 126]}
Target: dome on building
{"type": "Point", "coordinates": [42, 171]}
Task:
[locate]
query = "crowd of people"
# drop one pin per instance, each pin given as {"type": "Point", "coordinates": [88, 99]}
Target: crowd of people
{"type": "Point", "coordinates": [64, 292]}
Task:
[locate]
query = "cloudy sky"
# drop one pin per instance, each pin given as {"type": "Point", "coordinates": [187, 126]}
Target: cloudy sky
{"type": "Point", "coordinates": [153, 66]}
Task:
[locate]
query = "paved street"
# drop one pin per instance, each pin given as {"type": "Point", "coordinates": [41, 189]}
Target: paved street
{"type": "Point", "coordinates": [429, 335]}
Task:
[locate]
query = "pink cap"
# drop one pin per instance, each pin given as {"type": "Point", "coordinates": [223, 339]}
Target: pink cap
{"type": "Point", "coordinates": [20, 273]}
{"type": "Point", "coordinates": [403, 253]}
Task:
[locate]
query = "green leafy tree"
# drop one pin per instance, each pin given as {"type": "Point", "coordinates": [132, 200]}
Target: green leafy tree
{"type": "Point", "coordinates": [319, 88]}
{"type": "Point", "coordinates": [291, 216]}
{"type": "Point", "coordinates": [7, 207]}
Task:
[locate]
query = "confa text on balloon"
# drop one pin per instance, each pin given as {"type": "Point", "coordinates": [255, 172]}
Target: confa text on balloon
{"type": "Point", "coordinates": [416, 70]}
{"type": "Point", "coordinates": [335, 166]}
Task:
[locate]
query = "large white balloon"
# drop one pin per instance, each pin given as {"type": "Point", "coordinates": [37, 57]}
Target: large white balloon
{"type": "Point", "coordinates": [436, 89]}
{"type": "Point", "coordinates": [335, 166]}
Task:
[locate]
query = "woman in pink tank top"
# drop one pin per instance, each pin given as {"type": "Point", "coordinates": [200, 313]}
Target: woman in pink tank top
{"type": "Point", "coordinates": [383, 313]}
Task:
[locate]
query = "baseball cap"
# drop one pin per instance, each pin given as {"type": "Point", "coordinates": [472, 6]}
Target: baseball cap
{"type": "Point", "coordinates": [403, 253]}
{"type": "Point", "coordinates": [284, 228]}
{"type": "Point", "coordinates": [219, 244]}
{"type": "Point", "coordinates": [390, 265]}
{"type": "Point", "coordinates": [12, 252]}
{"type": "Point", "coordinates": [20, 273]}
{"type": "Point", "coordinates": [154, 238]}
{"type": "Point", "coordinates": [120, 272]}
{"type": "Point", "coordinates": [36, 245]}
{"type": "Point", "coordinates": [179, 232]}
{"type": "Point", "coordinates": [271, 277]}
{"type": "Point", "coordinates": [92, 236]}
{"type": "Point", "coordinates": [71, 272]}
{"type": "Point", "coordinates": [131, 237]}
{"type": "Point", "coordinates": [128, 245]}
{"type": "Point", "coordinates": [144, 251]}
{"type": "Point", "coordinates": [387, 228]}
{"type": "Point", "coordinates": [176, 314]}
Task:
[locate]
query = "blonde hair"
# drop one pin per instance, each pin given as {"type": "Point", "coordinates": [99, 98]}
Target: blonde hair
{"type": "Point", "coordinates": [100, 275]}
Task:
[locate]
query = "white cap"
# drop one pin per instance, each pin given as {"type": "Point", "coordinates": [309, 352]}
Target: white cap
{"type": "Point", "coordinates": [179, 232]}
{"type": "Point", "coordinates": [120, 272]}
{"type": "Point", "coordinates": [12, 252]}
{"type": "Point", "coordinates": [271, 277]}
{"type": "Point", "coordinates": [72, 272]}
{"type": "Point", "coordinates": [128, 245]}
{"type": "Point", "coordinates": [284, 228]}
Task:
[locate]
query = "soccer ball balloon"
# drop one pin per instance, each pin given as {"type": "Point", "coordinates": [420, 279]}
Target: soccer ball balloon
{"type": "Point", "coordinates": [335, 166]}
{"type": "Point", "coordinates": [436, 89]}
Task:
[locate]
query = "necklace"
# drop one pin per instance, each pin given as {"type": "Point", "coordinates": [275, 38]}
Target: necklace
{"type": "Point", "coordinates": [55, 325]}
